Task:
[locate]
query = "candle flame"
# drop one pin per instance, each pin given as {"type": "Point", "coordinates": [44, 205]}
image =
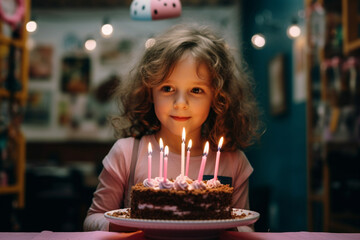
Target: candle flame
{"type": "Point", "coordinates": [161, 144]}
{"type": "Point", "coordinates": [221, 143]}
{"type": "Point", "coordinates": [206, 148]}
{"type": "Point", "coordinates": [183, 135]}
{"type": "Point", "coordinates": [166, 151]}
{"type": "Point", "coordinates": [149, 148]}
{"type": "Point", "coordinates": [189, 145]}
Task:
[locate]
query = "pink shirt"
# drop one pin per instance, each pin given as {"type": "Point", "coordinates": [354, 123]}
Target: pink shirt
{"type": "Point", "coordinates": [113, 179]}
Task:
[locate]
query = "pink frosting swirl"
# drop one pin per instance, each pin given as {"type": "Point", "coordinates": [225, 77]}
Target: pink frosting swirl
{"type": "Point", "coordinates": [187, 179]}
{"type": "Point", "coordinates": [166, 184]}
{"type": "Point", "coordinates": [184, 178]}
{"type": "Point", "coordinates": [212, 183]}
{"type": "Point", "coordinates": [159, 179]}
{"type": "Point", "coordinates": [197, 185]}
{"type": "Point", "coordinates": [181, 183]}
{"type": "Point", "coordinates": [152, 183]}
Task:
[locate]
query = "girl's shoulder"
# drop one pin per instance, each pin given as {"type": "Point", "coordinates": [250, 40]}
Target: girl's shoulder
{"type": "Point", "coordinates": [121, 152]}
{"type": "Point", "coordinates": [234, 155]}
{"type": "Point", "coordinates": [120, 148]}
{"type": "Point", "coordinates": [236, 159]}
{"type": "Point", "coordinates": [126, 144]}
{"type": "Point", "coordinates": [239, 164]}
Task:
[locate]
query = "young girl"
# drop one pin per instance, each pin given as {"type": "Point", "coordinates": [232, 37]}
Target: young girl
{"type": "Point", "coordinates": [187, 78]}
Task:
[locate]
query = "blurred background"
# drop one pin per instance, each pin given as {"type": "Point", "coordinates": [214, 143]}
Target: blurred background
{"type": "Point", "coordinates": [59, 65]}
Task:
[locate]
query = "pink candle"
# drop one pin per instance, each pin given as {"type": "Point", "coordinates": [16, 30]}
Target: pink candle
{"type": "Point", "coordinates": [218, 158]}
{"type": "Point", "coordinates": [203, 162]}
{"type": "Point", "coordinates": [188, 157]}
{"type": "Point", "coordinates": [183, 153]}
{"type": "Point", "coordinates": [161, 157]}
{"type": "Point", "coordinates": [149, 161]}
{"type": "Point", "coordinates": [166, 162]}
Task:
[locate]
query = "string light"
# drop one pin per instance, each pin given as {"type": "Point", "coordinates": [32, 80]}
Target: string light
{"type": "Point", "coordinates": [106, 29]}
{"type": "Point", "coordinates": [293, 31]}
{"type": "Point", "coordinates": [270, 27]}
{"type": "Point", "coordinates": [31, 26]}
{"type": "Point", "coordinates": [258, 41]}
{"type": "Point", "coordinates": [90, 44]}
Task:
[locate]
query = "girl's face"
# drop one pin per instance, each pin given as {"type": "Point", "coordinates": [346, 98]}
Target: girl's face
{"type": "Point", "coordinates": [183, 100]}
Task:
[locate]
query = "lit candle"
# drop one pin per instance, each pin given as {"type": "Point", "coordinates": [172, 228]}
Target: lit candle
{"type": "Point", "coordinates": [188, 157]}
{"type": "Point", "coordinates": [203, 162]}
{"type": "Point", "coordinates": [218, 158]}
{"type": "Point", "coordinates": [166, 162]}
{"type": "Point", "coordinates": [149, 161]}
{"type": "Point", "coordinates": [183, 153]}
{"type": "Point", "coordinates": [161, 157]}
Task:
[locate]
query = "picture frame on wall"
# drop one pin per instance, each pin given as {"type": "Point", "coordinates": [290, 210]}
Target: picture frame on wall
{"type": "Point", "coordinates": [75, 74]}
{"type": "Point", "coordinates": [40, 62]}
{"type": "Point", "coordinates": [299, 84]}
{"type": "Point", "coordinates": [277, 91]}
{"type": "Point", "coordinates": [38, 108]}
{"type": "Point", "coordinates": [116, 51]}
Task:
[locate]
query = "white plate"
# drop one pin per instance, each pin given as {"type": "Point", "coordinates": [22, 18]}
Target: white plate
{"type": "Point", "coordinates": [179, 229]}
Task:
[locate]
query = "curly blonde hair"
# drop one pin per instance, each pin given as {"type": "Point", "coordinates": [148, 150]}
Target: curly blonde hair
{"type": "Point", "coordinates": [233, 114]}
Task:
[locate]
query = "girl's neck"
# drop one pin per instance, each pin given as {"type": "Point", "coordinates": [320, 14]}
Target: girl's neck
{"type": "Point", "coordinates": [174, 142]}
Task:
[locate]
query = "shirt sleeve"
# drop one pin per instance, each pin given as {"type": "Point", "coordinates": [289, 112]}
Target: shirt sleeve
{"type": "Point", "coordinates": [241, 172]}
{"type": "Point", "coordinates": [109, 194]}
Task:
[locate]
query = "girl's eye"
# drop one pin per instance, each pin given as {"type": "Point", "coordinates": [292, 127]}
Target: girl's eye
{"type": "Point", "coordinates": [167, 89]}
{"type": "Point", "coordinates": [197, 90]}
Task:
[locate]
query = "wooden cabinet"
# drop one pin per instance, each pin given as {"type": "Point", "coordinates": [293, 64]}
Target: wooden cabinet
{"type": "Point", "coordinates": [13, 94]}
{"type": "Point", "coordinates": [351, 21]}
{"type": "Point", "coordinates": [333, 115]}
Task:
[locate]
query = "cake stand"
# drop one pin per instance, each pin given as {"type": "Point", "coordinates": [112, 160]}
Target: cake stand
{"type": "Point", "coordinates": [184, 229]}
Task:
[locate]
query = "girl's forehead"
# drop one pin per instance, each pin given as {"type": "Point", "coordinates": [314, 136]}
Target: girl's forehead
{"type": "Point", "coordinates": [200, 64]}
{"type": "Point", "coordinates": [190, 64]}
{"type": "Point", "coordinates": [203, 71]}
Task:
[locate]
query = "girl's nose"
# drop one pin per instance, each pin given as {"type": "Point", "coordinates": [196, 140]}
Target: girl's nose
{"type": "Point", "coordinates": [180, 101]}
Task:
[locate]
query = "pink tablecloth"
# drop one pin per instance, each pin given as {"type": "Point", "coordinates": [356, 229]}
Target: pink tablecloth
{"type": "Point", "coordinates": [99, 235]}
{"type": "Point", "coordinates": [289, 236]}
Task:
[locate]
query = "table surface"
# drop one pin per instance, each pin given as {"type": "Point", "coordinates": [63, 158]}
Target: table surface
{"type": "Point", "coordinates": [101, 235]}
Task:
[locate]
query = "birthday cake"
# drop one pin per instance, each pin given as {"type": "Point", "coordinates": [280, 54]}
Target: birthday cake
{"type": "Point", "coordinates": [181, 199]}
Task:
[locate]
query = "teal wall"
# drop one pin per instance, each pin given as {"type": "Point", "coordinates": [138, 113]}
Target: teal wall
{"type": "Point", "coordinates": [279, 159]}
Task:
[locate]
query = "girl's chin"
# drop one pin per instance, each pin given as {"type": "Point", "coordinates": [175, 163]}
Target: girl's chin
{"type": "Point", "coordinates": [178, 133]}
{"type": "Point", "coordinates": [174, 134]}
{"type": "Point", "coordinates": [171, 135]}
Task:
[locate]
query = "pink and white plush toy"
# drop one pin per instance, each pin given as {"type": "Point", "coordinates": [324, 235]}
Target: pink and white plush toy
{"type": "Point", "coordinates": [148, 10]}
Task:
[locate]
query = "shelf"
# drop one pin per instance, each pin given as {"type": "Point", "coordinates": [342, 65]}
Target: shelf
{"type": "Point", "coordinates": [352, 47]}
{"type": "Point", "coordinates": [16, 151]}
{"type": "Point", "coordinates": [348, 147]}
{"type": "Point", "coordinates": [16, 189]}
{"type": "Point", "coordinates": [332, 158]}
{"type": "Point", "coordinates": [5, 94]}
{"type": "Point", "coordinates": [8, 41]}
{"type": "Point", "coordinates": [350, 18]}
{"type": "Point", "coordinates": [9, 189]}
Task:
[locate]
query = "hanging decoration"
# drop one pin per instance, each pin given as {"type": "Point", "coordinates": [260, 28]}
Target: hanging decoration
{"type": "Point", "coordinates": [15, 18]}
{"type": "Point", "coordinates": [147, 10]}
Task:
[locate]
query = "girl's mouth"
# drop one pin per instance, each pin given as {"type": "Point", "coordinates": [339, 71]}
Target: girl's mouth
{"type": "Point", "coordinates": [181, 119]}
